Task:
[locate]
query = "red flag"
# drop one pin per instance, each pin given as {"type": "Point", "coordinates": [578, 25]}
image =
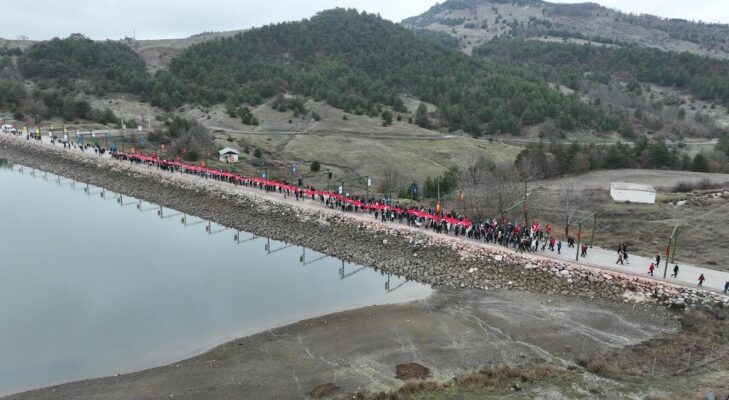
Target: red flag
{"type": "Point", "coordinates": [668, 250]}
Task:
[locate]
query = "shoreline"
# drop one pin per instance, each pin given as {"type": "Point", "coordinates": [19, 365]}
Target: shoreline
{"type": "Point", "coordinates": [208, 345]}
{"type": "Point", "coordinates": [451, 332]}
{"type": "Point", "coordinates": [411, 253]}
{"type": "Point", "coordinates": [440, 261]}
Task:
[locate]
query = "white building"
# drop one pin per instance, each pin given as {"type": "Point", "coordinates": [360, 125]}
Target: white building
{"type": "Point", "coordinates": [228, 155]}
{"type": "Point", "coordinates": [632, 193]}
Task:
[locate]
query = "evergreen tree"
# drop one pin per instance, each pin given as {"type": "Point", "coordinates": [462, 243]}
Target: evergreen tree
{"type": "Point", "coordinates": [421, 116]}
{"type": "Point", "coordinates": [386, 118]}
{"type": "Point", "coordinates": [700, 163]}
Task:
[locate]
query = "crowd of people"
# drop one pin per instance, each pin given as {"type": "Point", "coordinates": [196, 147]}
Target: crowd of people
{"type": "Point", "coordinates": [521, 237]}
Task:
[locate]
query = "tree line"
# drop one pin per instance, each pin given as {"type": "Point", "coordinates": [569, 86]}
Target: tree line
{"type": "Point", "coordinates": [542, 160]}
{"type": "Point", "coordinates": [569, 64]}
{"type": "Point", "coordinates": [78, 62]}
{"type": "Point", "coordinates": [353, 61]}
{"type": "Point", "coordinates": [39, 105]}
{"type": "Point", "coordinates": [358, 62]}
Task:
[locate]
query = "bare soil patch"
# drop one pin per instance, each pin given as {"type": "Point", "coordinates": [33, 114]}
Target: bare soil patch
{"type": "Point", "coordinates": [323, 390]}
{"type": "Point", "coordinates": [411, 371]}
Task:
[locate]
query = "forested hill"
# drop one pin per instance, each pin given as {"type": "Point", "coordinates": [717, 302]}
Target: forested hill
{"type": "Point", "coordinates": [568, 64]}
{"type": "Point", "coordinates": [81, 63]}
{"type": "Point", "coordinates": [359, 63]}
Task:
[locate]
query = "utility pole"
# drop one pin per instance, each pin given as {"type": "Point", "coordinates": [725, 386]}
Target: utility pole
{"type": "Point", "coordinates": [594, 228]}
{"type": "Point", "coordinates": [526, 194]}
{"type": "Point", "coordinates": [501, 207]}
{"type": "Point", "coordinates": [671, 249]}
{"type": "Point", "coordinates": [579, 233]}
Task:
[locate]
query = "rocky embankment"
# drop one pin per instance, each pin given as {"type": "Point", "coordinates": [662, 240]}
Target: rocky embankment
{"type": "Point", "coordinates": [392, 248]}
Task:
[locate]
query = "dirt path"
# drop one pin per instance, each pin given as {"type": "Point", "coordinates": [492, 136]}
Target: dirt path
{"type": "Point", "coordinates": [361, 135]}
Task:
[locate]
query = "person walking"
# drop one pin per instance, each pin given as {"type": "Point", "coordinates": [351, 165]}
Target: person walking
{"type": "Point", "coordinates": [658, 259]}
{"type": "Point", "coordinates": [701, 280]}
{"type": "Point", "coordinates": [726, 287]}
{"type": "Point", "coordinates": [559, 247]}
{"type": "Point", "coordinates": [625, 256]}
{"type": "Point", "coordinates": [651, 269]}
{"type": "Point", "coordinates": [620, 258]}
{"type": "Point", "coordinates": [675, 271]}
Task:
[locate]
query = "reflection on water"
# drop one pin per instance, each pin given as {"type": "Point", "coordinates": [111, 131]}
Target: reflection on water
{"type": "Point", "coordinates": [94, 283]}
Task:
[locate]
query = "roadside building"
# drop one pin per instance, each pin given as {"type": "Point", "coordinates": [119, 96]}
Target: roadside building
{"type": "Point", "coordinates": [228, 155]}
{"type": "Point", "coordinates": [632, 193]}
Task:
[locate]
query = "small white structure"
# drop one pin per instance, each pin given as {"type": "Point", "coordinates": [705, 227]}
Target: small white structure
{"type": "Point", "coordinates": [632, 193]}
{"type": "Point", "coordinates": [228, 155]}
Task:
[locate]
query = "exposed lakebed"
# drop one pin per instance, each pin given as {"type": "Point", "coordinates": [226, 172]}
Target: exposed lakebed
{"type": "Point", "coordinates": [94, 286]}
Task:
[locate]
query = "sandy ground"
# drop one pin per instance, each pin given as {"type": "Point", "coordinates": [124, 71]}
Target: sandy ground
{"type": "Point", "coordinates": [450, 332]}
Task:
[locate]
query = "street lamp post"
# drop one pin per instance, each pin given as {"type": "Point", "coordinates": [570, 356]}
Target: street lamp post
{"type": "Point", "coordinates": [367, 179]}
{"type": "Point", "coordinates": [412, 190]}
{"type": "Point", "coordinates": [457, 192]}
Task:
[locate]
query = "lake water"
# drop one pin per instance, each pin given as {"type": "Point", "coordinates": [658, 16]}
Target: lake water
{"type": "Point", "coordinates": [90, 287]}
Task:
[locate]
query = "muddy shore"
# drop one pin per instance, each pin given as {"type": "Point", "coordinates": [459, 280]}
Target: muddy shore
{"type": "Point", "coordinates": [452, 332]}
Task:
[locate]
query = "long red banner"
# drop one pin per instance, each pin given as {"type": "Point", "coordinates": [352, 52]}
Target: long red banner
{"type": "Point", "coordinates": [284, 186]}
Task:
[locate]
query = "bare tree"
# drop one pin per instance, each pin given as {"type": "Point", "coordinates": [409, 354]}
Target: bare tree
{"type": "Point", "coordinates": [390, 180]}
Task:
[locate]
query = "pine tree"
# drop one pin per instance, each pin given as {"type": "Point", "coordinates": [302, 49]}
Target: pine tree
{"type": "Point", "coordinates": [421, 117]}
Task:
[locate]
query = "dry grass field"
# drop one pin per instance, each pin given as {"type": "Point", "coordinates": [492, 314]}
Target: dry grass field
{"type": "Point", "coordinates": [646, 227]}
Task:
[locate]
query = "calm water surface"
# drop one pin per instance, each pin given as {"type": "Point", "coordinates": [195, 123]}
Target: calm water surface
{"type": "Point", "coordinates": [91, 288]}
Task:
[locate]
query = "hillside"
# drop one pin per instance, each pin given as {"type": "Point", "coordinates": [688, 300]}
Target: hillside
{"type": "Point", "coordinates": [477, 21]}
{"type": "Point", "coordinates": [81, 63]}
{"type": "Point", "coordinates": [674, 94]}
{"type": "Point", "coordinates": [363, 64]}
{"type": "Point", "coordinates": [403, 98]}
{"type": "Point", "coordinates": [158, 53]}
